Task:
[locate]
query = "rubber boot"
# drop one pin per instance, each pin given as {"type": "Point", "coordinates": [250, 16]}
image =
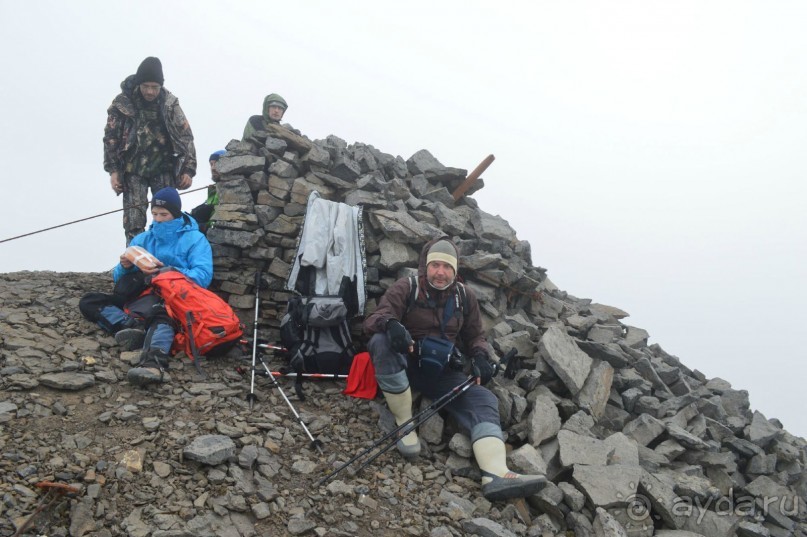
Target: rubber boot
{"type": "Point", "coordinates": [400, 404]}
{"type": "Point", "coordinates": [498, 482]}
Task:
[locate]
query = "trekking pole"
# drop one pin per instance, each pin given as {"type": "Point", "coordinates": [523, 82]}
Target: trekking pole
{"type": "Point", "coordinates": [251, 396]}
{"type": "Point", "coordinates": [272, 347]}
{"type": "Point", "coordinates": [314, 442]}
{"type": "Point", "coordinates": [266, 346]}
{"type": "Point", "coordinates": [415, 424]}
{"type": "Point", "coordinates": [405, 428]}
{"type": "Point", "coordinates": [327, 376]}
{"type": "Point", "coordinates": [415, 421]}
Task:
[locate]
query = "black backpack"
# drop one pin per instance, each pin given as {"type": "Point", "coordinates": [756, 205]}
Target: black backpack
{"type": "Point", "coordinates": [316, 332]}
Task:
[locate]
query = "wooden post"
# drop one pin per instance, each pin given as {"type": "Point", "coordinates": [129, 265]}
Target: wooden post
{"type": "Point", "coordinates": [471, 179]}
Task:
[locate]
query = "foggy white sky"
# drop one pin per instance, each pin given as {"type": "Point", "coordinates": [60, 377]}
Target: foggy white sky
{"type": "Point", "coordinates": [652, 153]}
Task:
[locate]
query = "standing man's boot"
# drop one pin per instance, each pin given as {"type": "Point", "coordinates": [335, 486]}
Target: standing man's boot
{"type": "Point", "coordinates": [400, 404]}
{"type": "Point", "coordinates": [498, 482]}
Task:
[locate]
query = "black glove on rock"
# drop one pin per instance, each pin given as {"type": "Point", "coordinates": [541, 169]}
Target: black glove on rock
{"type": "Point", "coordinates": [482, 367]}
{"type": "Point", "coordinates": [399, 338]}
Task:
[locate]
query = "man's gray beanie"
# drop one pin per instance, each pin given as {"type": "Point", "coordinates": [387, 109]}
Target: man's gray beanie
{"type": "Point", "coordinates": [444, 251]}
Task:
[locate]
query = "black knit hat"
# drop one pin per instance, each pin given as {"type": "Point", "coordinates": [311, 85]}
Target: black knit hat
{"type": "Point", "coordinates": [168, 198]}
{"type": "Point", "coordinates": [150, 70]}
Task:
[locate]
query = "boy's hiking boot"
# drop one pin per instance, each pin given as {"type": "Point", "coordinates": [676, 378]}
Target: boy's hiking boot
{"type": "Point", "coordinates": [151, 369]}
{"type": "Point", "coordinates": [130, 339]}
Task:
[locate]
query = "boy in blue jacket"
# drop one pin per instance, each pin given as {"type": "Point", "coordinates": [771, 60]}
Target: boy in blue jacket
{"type": "Point", "coordinates": [175, 240]}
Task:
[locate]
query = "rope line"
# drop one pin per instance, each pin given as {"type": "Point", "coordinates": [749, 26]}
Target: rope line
{"type": "Point", "coordinates": [91, 217]}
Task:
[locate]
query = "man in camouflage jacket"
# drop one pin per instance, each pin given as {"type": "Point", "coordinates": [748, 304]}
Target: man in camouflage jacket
{"type": "Point", "coordinates": [148, 143]}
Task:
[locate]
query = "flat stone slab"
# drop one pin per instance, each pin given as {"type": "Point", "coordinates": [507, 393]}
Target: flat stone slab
{"type": "Point", "coordinates": [210, 449]}
{"type": "Point", "coordinates": [608, 486]}
{"type": "Point", "coordinates": [67, 381]}
{"type": "Point", "coordinates": [567, 360]}
{"type": "Point", "coordinates": [579, 449]}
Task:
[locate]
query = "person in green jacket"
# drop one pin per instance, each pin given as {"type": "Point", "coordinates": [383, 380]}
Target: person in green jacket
{"type": "Point", "coordinates": [274, 106]}
{"type": "Point", "coordinates": [203, 214]}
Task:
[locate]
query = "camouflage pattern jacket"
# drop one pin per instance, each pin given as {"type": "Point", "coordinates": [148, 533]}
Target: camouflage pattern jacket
{"type": "Point", "coordinates": [119, 133]}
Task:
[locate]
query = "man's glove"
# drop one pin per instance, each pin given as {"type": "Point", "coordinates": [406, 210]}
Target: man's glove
{"type": "Point", "coordinates": [481, 366]}
{"type": "Point", "coordinates": [399, 338]}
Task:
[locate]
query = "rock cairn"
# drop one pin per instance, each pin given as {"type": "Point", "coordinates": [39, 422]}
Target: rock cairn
{"type": "Point", "coordinates": [264, 189]}
{"type": "Point", "coordinates": [633, 441]}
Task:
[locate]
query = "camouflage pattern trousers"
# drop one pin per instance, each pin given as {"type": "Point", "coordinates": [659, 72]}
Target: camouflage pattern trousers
{"type": "Point", "coordinates": [136, 202]}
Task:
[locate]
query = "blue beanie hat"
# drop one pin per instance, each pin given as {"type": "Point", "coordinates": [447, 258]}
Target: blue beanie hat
{"type": "Point", "coordinates": [216, 155]}
{"type": "Point", "coordinates": [168, 198]}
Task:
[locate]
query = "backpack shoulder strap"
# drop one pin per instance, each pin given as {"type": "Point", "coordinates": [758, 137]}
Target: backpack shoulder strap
{"type": "Point", "coordinates": [463, 295]}
{"type": "Point", "coordinates": [413, 291]}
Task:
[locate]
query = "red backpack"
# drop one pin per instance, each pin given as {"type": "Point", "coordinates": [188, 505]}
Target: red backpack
{"type": "Point", "coordinates": [207, 325]}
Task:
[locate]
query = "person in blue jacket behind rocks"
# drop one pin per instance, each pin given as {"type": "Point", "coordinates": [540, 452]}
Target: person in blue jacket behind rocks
{"type": "Point", "coordinates": [141, 320]}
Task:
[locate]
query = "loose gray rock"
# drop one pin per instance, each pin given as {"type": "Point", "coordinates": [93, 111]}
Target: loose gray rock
{"type": "Point", "coordinates": [461, 445]}
{"type": "Point", "coordinates": [210, 449]}
{"type": "Point", "coordinates": [240, 164]}
{"type": "Point", "coordinates": [624, 450]}
{"type": "Point", "coordinates": [606, 525]}
{"type": "Point", "coordinates": [526, 460]}
{"type": "Point", "coordinates": [607, 486]}
{"type": "Point", "coordinates": [465, 507]}
{"type": "Point", "coordinates": [299, 526]}
{"type": "Point", "coordinates": [644, 429]}
{"type": "Point", "coordinates": [578, 449]}
{"type": "Point", "coordinates": [570, 363]}
{"type": "Point", "coordinates": [67, 381]}
{"type": "Point", "coordinates": [596, 390]}
{"type": "Point", "coordinates": [544, 421]}
{"type": "Point", "coordinates": [485, 527]}
{"type": "Point", "coordinates": [761, 431]}
{"type": "Point", "coordinates": [81, 518]}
